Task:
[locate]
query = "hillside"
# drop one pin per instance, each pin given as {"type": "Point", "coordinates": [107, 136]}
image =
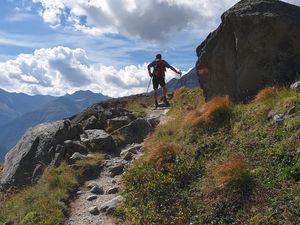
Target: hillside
{"type": "Point", "coordinates": [57, 109]}
{"type": "Point", "coordinates": [208, 163]}
{"type": "Point", "coordinates": [219, 163]}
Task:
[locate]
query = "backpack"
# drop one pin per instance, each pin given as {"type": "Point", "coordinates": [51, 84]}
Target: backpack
{"type": "Point", "coordinates": [159, 68]}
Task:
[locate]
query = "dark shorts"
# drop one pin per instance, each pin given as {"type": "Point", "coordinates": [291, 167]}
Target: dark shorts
{"type": "Point", "coordinates": [158, 81]}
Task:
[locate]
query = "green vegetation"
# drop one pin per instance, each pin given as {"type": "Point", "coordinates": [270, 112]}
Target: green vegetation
{"type": "Point", "coordinates": [45, 203]}
{"type": "Point", "coordinates": [219, 163]}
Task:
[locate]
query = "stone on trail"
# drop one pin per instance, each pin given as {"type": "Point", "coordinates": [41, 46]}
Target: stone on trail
{"type": "Point", "coordinates": [111, 205]}
{"type": "Point", "coordinates": [94, 210]}
{"type": "Point", "coordinates": [97, 190]}
{"type": "Point", "coordinates": [91, 197]}
{"type": "Point", "coordinates": [113, 190]}
{"type": "Point", "coordinates": [116, 169]}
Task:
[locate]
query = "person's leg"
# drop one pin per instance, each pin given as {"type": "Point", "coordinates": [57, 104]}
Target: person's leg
{"type": "Point", "coordinates": [155, 98]}
{"type": "Point", "coordinates": [155, 86]}
{"type": "Point", "coordinates": [164, 91]}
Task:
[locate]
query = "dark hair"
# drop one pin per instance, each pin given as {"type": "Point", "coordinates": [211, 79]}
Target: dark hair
{"type": "Point", "coordinates": [158, 56]}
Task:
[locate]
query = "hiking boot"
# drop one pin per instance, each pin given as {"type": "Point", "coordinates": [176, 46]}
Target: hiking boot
{"type": "Point", "coordinates": [156, 104]}
{"type": "Point", "coordinates": [167, 104]}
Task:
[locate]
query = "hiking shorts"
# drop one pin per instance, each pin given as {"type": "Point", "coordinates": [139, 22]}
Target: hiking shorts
{"type": "Point", "coordinates": [158, 81]}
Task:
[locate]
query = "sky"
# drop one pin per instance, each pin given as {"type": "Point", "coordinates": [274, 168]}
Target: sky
{"type": "Point", "coordinates": [56, 47]}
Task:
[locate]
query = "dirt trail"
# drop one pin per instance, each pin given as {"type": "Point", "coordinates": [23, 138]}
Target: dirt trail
{"type": "Point", "coordinates": [109, 180]}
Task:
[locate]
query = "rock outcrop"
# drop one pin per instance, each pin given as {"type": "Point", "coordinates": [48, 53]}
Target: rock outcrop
{"type": "Point", "coordinates": [40, 146]}
{"type": "Point", "coordinates": [256, 45]}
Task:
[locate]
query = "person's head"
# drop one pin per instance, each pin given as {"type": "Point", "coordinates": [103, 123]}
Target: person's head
{"type": "Point", "coordinates": [158, 56]}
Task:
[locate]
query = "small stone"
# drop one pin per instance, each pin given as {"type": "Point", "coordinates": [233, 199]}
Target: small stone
{"type": "Point", "coordinates": [79, 192]}
{"type": "Point", "coordinates": [91, 185]}
{"type": "Point", "coordinates": [94, 210]}
{"type": "Point", "coordinates": [113, 190]}
{"type": "Point", "coordinates": [278, 119]}
{"type": "Point", "coordinates": [111, 205]}
{"type": "Point", "coordinates": [114, 182]}
{"type": "Point", "coordinates": [97, 190]}
{"type": "Point", "coordinates": [77, 156]}
{"type": "Point", "coordinates": [128, 156]}
{"type": "Point", "coordinates": [91, 197]}
{"type": "Point", "coordinates": [116, 169]}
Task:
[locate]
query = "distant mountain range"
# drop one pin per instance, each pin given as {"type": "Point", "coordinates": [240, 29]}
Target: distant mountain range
{"type": "Point", "coordinates": [13, 105]}
{"type": "Point", "coordinates": [18, 112]}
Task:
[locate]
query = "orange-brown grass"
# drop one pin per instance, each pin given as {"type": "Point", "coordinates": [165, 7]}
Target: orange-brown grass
{"type": "Point", "coordinates": [264, 93]}
{"type": "Point", "coordinates": [205, 112]}
{"type": "Point", "coordinates": [232, 169]}
{"type": "Point", "coordinates": [161, 152]}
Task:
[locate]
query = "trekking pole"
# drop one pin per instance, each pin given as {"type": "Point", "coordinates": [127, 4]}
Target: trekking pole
{"type": "Point", "coordinates": [149, 84]}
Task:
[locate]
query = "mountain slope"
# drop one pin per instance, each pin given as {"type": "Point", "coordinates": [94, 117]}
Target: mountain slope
{"type": "Point", "coordinates": [13, 105]}
{"type": "Point", "coordinates": [60, 108]}
{"type": "Point", "coordinates": [219, 163]}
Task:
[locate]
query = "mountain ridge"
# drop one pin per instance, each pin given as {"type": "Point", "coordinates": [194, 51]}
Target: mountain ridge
{"type": "Point", "coordinates": [57, 109]}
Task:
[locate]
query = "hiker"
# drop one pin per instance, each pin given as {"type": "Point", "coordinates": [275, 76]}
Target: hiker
{"type": "Point", "coordinates": [159, 68]}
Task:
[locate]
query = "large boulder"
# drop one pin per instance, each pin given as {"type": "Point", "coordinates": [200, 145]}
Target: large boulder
{"type": "Point", "coordinates": [39, 145]}
{"type": "Point", "coordinates": [256, 45]}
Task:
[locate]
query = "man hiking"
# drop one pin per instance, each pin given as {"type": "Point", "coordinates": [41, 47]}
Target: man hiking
{"type": "Point", "coordinates": [159, 68]}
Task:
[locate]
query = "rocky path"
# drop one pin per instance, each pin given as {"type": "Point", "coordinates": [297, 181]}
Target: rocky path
{"type": "Point", "coordinates": [97, 198]}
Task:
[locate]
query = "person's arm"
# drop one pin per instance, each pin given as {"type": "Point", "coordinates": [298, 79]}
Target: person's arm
{"type": "Point", "coordinates": [176, 71]}
{"type": "Point", "coordinates": [149, 69]}
{"type": "Point", "coordinates": [171, 67]}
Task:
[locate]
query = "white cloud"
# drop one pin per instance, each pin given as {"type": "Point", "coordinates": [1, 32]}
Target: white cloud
{"type": "Point", "coordinates": [61, 70]}
{"type": "Point", "coordinates": [147, 19]}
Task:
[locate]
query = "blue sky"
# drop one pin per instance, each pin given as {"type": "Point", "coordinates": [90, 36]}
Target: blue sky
{"type": "Point", "coordinates": [60, 46]}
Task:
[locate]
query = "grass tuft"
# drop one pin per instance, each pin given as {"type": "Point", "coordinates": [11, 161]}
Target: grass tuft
{"type": "Point", "coordinates": [231, 171]}
{"type": "Point", "coordinates": [264, 93]}
{"type": "Point", "coordinates": [163, 152]}
{"type": "Point", "coordinates": [218, 108]}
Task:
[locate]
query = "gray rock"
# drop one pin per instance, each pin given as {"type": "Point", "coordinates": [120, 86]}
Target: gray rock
{"type": "Point", "coordinates": [94, 210]}
{"type": "Point", "coordinates": [153, 121]}
{"type": "Point", "coordinates": [100, 140]}
{"type": "Point", "coordinates": [58, 155]}
{"type": "Point", "coordinates": [33, 149]}
{"type": "Point", "coordinates": [91, 197]}
{"type": "Point", "coordinates": [75, 146]}
{"type": "Point", "coordinates": [128, 156]}
{"type": "Point", "coordinates": [37, 173]}
{"type": "Point", "coordinates": [279, 119]}
{"type": "Point", "coordinates": [295, 86]}
{"type": "Point", "coordinates": [94, 123]}
{"type": "Point", "coordinates": [79, 192]}
{"type": "Point", "coordinates": [133, 148]}
{"type": "Point", "coordinates": [97, 190]}
{"type": "Point", "coordinates": [118, 122]}
{"type": "Point", "coordinates": [256, 45]}
{"type": "Point", "coordinates": [116, 169]}
{"type": "Point", "coordinates": [77, 156]}
{"type": "Point", "coordinates": [136, 131]}
{"type": "Point", "coordinates": [92, 184]}
{"type": "Point", "coordinates": [111, 205]}
{"type": "Point", "coordinates": [113, 190]}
